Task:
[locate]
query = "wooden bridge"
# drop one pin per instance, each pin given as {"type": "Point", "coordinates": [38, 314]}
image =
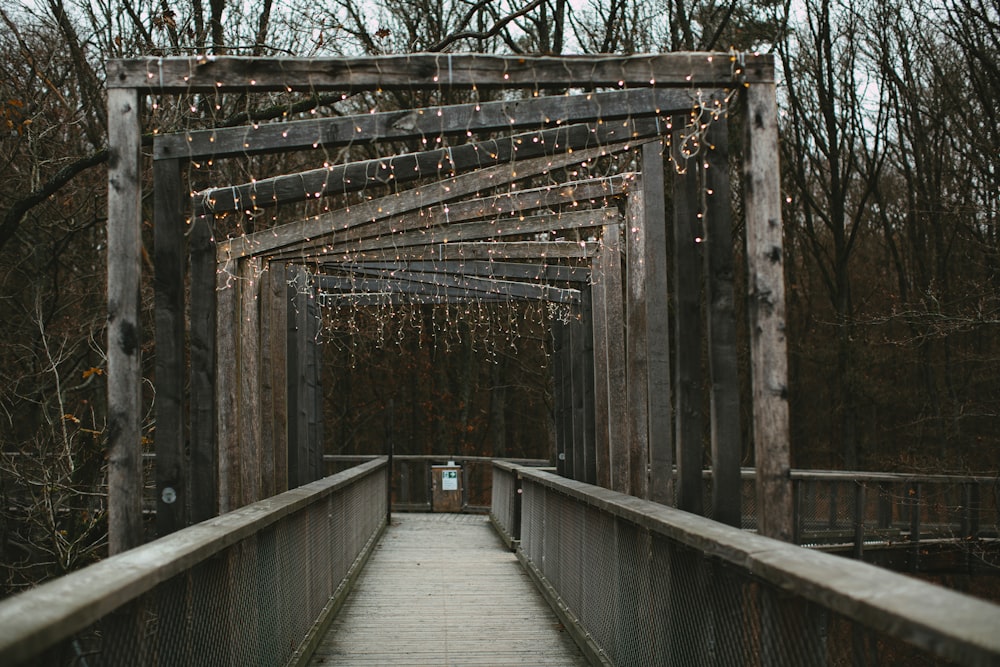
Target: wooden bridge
{"type": "Point", "coordinates": [643, 557]}
{"type": "Point", "coordinates": [627, 581]}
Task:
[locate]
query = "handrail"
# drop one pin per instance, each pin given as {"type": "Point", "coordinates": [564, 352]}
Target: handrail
{"type": "Point", "coordinates": [36, 619]}
{"type": "Point", "coordinates": [937, 620]}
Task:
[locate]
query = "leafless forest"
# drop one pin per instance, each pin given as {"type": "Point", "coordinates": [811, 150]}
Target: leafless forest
{"type": "Point", "coordinates": [891, 176]}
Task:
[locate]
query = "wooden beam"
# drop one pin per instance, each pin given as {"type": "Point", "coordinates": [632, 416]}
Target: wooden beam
{"type": "Point", "coordinates": [498, 206]}
{"type": "Point", "coordinates": [274, 384]}
{"type": "Point", "coordinates": [168, 284]}
{"type": "Point", "coordinates": [124, 344]}
{"type": "Point", "coordinates": [688, 237]}
{"type": "Point", "coordinates": [617, 405]}
{"type": "Point", "coordinates": [636, 343]}
{"type": "Point", "coordinates": [502, 270]}
{"type": "Point", "coordinates": [586, 329]}
{"type": "Point", "coordinates": [249, 407]}
{"type": "Point", "coordinates": [204, 456]}
{"type": "Point", "coordinates": [601, 336]}
{"type": "Point", "coordinates": [329, 224]}
{"type": "Point", "coordinates": [436, 71]}
{"type": "Point", "coordinates": [486, 250]}
{"type": "Point", "coordinates": [723, 367]}
{"type": "Point", "coordinates": [426, 122]}
{"type": "Point", "coordinates": [381, 299]}
{"type": "Point", "coordinates": [341, 179]}
{"type": "Point", "coordinates": [559, 391]}
{"type": "Point", "coordinates": [227, 387]}
{"type": "Point", "coordinates": [427, 283]}
{"type": "Point", "coordinates": [660, 432]}
{"type": "Point", "coordinates": [488, 229]}
{"type": "Point", "coordinates": [766, 285]}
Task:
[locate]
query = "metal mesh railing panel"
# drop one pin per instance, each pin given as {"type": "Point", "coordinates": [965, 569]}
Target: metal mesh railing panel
{"type": "Point", "coordinates": [645, 598]}
{"type": "Point", "coordinates": [503, 500]}
{"type": "Point", "coordinates": [252, 603]}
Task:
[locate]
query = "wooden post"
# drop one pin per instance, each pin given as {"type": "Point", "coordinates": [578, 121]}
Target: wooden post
{"type": "Point", "coordinates": [722, 357]}
{"type": "Point", "coordinates": [660, 435]}
{"type": "Point", "coordinates": [602, 434]}
{"type": "Point", "coordinates": [766, 286]}
{"type": "Point", "coordinates": [227, 388]}
{"type": "Point", "coordinates": [314, 383]}
{"type": "Point", "coordinates": [610, 254]}
{"type": "Point", "coordinates": [170, 261]}
{"type": "Point", "coordinates": [587, 331]}
{"type": "Point", "coordinates": [558, 341]}
{"type": "Point", "coordinates": [274, 384]}
{"type": "Point", "coordinates": [204, 480]}
{"type": "Point", "coordinates": [577, 387]}
{"type": "Point", "coordinates": [689, 234]}
{"type": "Point", "coordinates": [124, 332]}
{"type": "Point", "coordinates": [248, 407]}
{"type": "Point", "coordinates": [636, 332]}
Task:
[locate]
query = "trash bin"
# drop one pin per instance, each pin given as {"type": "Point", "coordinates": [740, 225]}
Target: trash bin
{"type": "Point", "coordinates": [446, 488]}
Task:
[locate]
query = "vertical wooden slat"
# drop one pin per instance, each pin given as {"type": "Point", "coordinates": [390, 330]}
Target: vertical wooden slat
{"type": "Point", "coordinates": [688, 237]}
{"type": "Point", "coordinates": [660, 434]}
{"type": "Point", "coordinates": [249, 379]}
{"type": "Point", "coordinates": [722, 358]}
{"type": "Point", "coordinates": [204, 480]}
{"type": "Point", "coordinates": [227, 386]}
{"type": "Point", "coordinates": [587, 358]}
{"type": "Point", "coordinates": [615, 317]}
{"type": "Point", "coordinates": [558, 340]}
{"type": "Point", "coordinates": [602, 443]}
{"type": "Point", "coordinates": [637, 391]}
{"type": "Point", "coordinates": [766, 285]}
{"type": "Point", "coordinates": [267, 394]}
{"type": "Point", "coordinates": [168, 283]}
{"type": "Point", "coordinates": [576, 352]}
{"type": "Point", "coordinates": [313, 328]}
{"type": "Point", "coordinates": [124, 333]}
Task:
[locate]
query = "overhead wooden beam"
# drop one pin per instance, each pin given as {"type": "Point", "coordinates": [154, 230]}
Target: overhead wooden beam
{"type": "Point", "coordinates": [512, 203]}
{"type": "Point", "coordinates": [491, 229]}
{"type": "Point", "coordinates": [426, 122]}
{"type": "Point", "coordinates": [444, 71]}
{"type": "Point", "coordinates": [485, 250]}
{"type": "Point", "coordinates": [503, 270]}
{"type": "Point", "coordinates": [382, 299]}
{"type": "Point", "coordinates": [406, 280]}
{"type": "Point", "coordinates": [356, 176]}
{"type": "Point", "coordinates": [329, 224]}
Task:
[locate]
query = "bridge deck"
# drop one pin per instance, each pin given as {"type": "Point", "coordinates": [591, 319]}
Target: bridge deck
{"type": "Point", "coordinates": [440, 589]}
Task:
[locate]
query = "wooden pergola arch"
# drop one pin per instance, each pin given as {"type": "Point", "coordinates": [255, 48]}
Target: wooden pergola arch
{"type": "Point", "coordinates": [446, 240]}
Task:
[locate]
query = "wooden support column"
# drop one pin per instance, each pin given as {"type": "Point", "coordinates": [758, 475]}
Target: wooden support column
{"type": "Point", "coordinates": [304, 450]}
{"type": "Point", "coordinates": [660, 433]}
{"type": "Point", "coordinates": [124, 343]}
{"type": "Point", "coordinates": [614, 316]}
{"type": "Point", "coordinates": [576, 368]}
{"type": "Point", "coordinates": [204, 465]}
{"type": "Point", "coordinates": [315, 385]}
{"type": "Point", "coordinates": [637, 391]}
{"type": "Point", "coordinates": [274, 384]}
{"type": "Point", "coordinates": [559, 398]}
{"type": "Point", "coordinates": [587, 360]}
{"type": "Point", "coordinates": [766, 286]}
{"type": "Point", "coordinates": [602, 433]}
{"type": "Point", "coordinates": [170, 263]}
{"type": "Point", "coordinates": [249, 379]}
{"type": "Point", "coordinates": [688, 237]}
{"type": "Point", "coordinates": [722, 359]}
{"type": "Point", "coordinates": [227, 386]}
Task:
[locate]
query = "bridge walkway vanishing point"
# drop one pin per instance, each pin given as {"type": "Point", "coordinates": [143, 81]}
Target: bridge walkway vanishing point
{"type": "Point", "coordinates": [441, 589]}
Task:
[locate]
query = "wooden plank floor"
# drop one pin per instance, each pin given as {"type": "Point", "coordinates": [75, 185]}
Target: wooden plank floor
{"type": "Point", "coordinates": [441, 589]}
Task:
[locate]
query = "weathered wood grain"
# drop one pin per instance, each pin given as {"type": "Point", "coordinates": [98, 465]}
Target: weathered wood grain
{"type": "Point", "coordinates": [205, 73]}
{"type": "Point", "coordinates": [637, 344]}
{"type": "Point", "coordinates": [316, 229]}
{"type": "Point", "coordinates": [124, 343]}
{"type": "Point", "coordinates": [227, 386]}
{"type": "Point", "coordinates": [168, 284]}
{"type": "Point", "coordinates": [688, 236]}
{"type": "Point", "coordinates": [661, 458]}
{"type": "Point", "coordinates": [339, 179]}
{"type": "Point", "coordinates": [426, 283]}
{"type": "Point", "coordinates": [766, 285]}
{"type": "Point", "coordinates": [249, 406]}
{"type": "Point", "coordinates": [492, 250]}
{"type": "Point", "coordinates": [440, 589]}
{"type": "Point", "coordinates": [426, 122]}
{"type": "Point", "coordinates": [502, 270]}
{"type": "Point", "coordinates": [204, 457]}
{"type": "Point", "coordinates": [723, 367]}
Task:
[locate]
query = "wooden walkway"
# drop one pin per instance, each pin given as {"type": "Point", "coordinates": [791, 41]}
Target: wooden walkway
{"type": "Point", "coordinates": [441, 589]}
